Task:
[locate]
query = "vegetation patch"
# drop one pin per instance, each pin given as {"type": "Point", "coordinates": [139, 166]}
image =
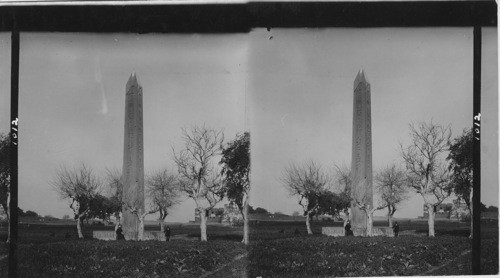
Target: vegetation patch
{"type": "Point", "coordinates": [275, 250]}
{"type": "Point", "coordinates": [352, 256]}
{"type": "Point", "coordinates": [125, 258]}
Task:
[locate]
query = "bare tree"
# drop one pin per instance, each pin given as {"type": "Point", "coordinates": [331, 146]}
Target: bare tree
{"type": "Point", "coordinates": [115, 188]}
{"type": "Point", "coordinates": [198, 177]}
{"type": "Point", "coordinates": [343, 185]}
{"type": "Point", "coordinates": [79, 185]}
{"type": "Point", "coordinates": [163, 192]}
{"type": "Point", "coordinates": [427, 173]}
{"type": "Point", "coordinates": [392, 188]}
{"type": "Point", "coordinates": [307, 182]}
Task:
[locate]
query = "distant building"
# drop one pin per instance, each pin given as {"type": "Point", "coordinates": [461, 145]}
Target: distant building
{"type": "Point", "coordinates": [214, 215]}
{"type": "Point", "coordinates": [460, 211]}
{"type": "Point", "coordinates": [454, 211]}
{"type": "Point", "coordinates": [443, 211]}
{"type": "Point", "coordinates": [232, 215]}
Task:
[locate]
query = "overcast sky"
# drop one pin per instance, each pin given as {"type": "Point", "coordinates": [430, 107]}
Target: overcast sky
{"type": "Point", "coordinates": [291, 88]}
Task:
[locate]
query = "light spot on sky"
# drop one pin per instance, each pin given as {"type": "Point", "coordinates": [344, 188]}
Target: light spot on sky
{"type": "Point", "coordinates": [98, 80]}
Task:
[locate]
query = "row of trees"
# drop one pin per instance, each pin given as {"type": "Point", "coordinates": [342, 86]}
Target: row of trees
{"type": "Point", "coordinates": [207, 172]}
{"type": "Point", "coordinates": [101, 198]}
{"type": "Point", "coordinates": [434, 167]}
{"type": "Point", "coordinates": [319, 192]}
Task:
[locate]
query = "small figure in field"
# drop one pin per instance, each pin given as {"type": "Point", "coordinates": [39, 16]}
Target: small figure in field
{"type": "Point", "coordinates": [167, 233]}
{"type": "Point", "coordinates": [282, 231]}
{"type": "Point", "coordinates": [395, 228]}
{"type": "Point", "coordinates": [119, 233]}
{"type": "Point", "coordinates": [348, 231]}
{"type": "Point", "coordinates": [296, 231]}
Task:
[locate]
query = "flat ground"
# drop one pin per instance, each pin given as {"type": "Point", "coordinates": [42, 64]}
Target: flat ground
{"type": "Point", "coordinates": [276, 250]}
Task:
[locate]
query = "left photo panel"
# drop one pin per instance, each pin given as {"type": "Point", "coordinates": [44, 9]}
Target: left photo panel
{"type": "Point", "coordinates": [5, 58]}
{"type": "Point", "coordinates": [129, 137]}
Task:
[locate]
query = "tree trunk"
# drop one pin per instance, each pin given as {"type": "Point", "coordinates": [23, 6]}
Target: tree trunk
{"type": "Point", "coordinates": [308, 224]}
{"type": "Point", "coordinates": [430, 210]}
{"type": "Point", "coordinates": [162, 225]}
{"type": "Point", "coordinates": [8, 233]}
{"type": "Point", "coordinates": [79, 227]}
{"type": "Point", "coordinates": [161, 219]}
{"type": "Point", "coordinates": [369, 223]}
{"type": "Point", "coordinates": [203, 224]}
{"type": "Point", "coordinates": [7, 213]}
{"type": "Point", "coordinates": [245, 220]}
{"type": "Point", "coordinates": [346, 218]}
{"type": "Point", "coordinates": [389, 216]}
{"type": "Point", "coordinates": [140, 232]}
{"type": "Point", "coordinates": [471, 208]}
{"type": "Point", "coordinates": [117, 216]}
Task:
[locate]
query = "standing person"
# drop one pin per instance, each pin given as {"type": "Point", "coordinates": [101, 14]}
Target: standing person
{"type": "Point", "coordinates": [167, 233]}
{"type": "Point", "coordinates": [348, 231]}
{"type": "Point", "coordinates": [395, 228]}
{"type": "Point", "coordinates": [119, 233]}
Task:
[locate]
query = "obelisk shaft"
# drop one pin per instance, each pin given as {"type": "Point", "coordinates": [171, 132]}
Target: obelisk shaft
{"type": "Point", "coordinates": [133, 159]}
{"type": "Point", "coordinates": [361, 165]}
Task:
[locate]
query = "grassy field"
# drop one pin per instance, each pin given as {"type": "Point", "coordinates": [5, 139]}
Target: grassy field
{"type": "Point", "coordinates": [276, 250]}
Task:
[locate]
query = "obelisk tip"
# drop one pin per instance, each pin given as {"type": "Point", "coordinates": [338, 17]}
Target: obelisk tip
{"type": "Point", "coordinates": [132, 81]}
{"type": "Point", "coordinates": [360, 78]}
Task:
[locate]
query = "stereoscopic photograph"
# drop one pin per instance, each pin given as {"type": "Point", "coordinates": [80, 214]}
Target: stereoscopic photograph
{"type": "Point", "coordinates": [275, 151]}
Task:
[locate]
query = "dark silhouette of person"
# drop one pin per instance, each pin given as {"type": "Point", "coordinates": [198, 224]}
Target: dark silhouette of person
{"type": "Point", "coordinates": [395, 228]}
{"type": "Point", "coordinates": [119, 233]}
{"type": "Point", "coordinates": [297, 231]}
{"type": "Point", "coordinates": [348, 231]}
{"type": "Point", "coordinates": [167, 233]}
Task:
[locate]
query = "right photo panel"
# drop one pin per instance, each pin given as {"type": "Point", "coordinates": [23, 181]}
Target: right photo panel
{"type": "Point", "coordinates": [368, 132]}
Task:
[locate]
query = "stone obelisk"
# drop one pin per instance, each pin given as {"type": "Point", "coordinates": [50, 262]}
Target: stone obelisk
{"type": "Point", "coordinates": [133, 160]}
{"type": "Point", "coordinates": [361, 164]}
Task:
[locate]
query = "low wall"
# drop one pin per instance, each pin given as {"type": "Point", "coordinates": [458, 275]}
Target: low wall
{"type": "Point", "coordinates": [333, 231]}
{"type": "Point", "coordinates": [339, 231]}
{"type": "Point", "coordinates": [111, 235]}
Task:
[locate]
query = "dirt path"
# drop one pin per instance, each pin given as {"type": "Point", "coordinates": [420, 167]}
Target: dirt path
{"type": "Point", "coordinates": [235, 268]}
